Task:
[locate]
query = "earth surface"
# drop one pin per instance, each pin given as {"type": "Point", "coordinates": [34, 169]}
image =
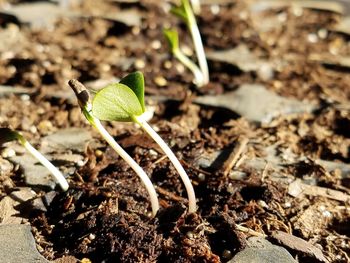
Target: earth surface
{"type": "Point", "coordinates": [266, 143]}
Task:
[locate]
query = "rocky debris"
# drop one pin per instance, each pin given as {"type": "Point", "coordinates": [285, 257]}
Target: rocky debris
{"type": "Point", "coordinates": [259, 250]}
{"type": "Point", "coordinates": [299, 245]}
{"type": "Point", "coordinates": [70, 139]}
{"type": "Point", "coordinates": [5, 167]}
{"type": "Point", "coordinates": [256, 103]}
{"type": "Point", "coordinates": [18, 245]}
{"type": "Point", "coordinates": [239, 56]}
{"type": "Point", "coordinates": [34, 174]}
{"type": "Point", "coordinates": [38, 14]}
{"type": "Point", "coordinates": [314, 219]}
{"type": "Point", "coordinates": [8, 213]}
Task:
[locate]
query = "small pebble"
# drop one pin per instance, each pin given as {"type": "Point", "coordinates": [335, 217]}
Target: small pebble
{"type": "Point", "coordinates": [322, 33]}
{"type": "Point", "coordinates": [160, 81]}
{"type": "Point", "coordinates": [156, 44]}
{"type": "Point", "coordinates": [297, 11]}
{"type": "Point", "coordinates": [201, 177]}
{"type": "Point", "coordinates": [190, 234]}
{"type": "Point", "coordinates": [5, 167]}
{"type": "Point", "coordinates": [287, 205]}
{"type": "Point", "coordinates": [8, 153]}
{"type": "Point", "coordinates": [139, 64]}
{"type": "Point", "coordinates": [230, 188]}
{"type": "Point", "coordinates": [45, 126]}
{"type": "Point", "coordinates": [167, 64]}
{"type": "Point", "coordinates": [215, 9]}
{"type": "Point", "coordinates": [156, 128]}
{"type": "Point", "coordinates": [237, 175]}
{"type": "Point", "coordinates": [153, 152]}
{"type": "Point", "coordinates": [187, 50]}
{"type": "Point", "coordinates": [180, 68]}
{"type": "Point", "coordinates": [136, 30]}
{"type": "Point", "coordinates": [80, 163]}
{"type": "Point", "coordinates": [98, 153]}
{"type": "Point", "coordinates": [312, 38]}
{"type": "Point", "coordinates": [25, 97]}
{"type": "Point", "coordinates": [243, 15]}
{"type": "Point", "coordinates": [227, 254]}
{"type": "Point", "coordinates": [33, 129]}
{"type": "Point", "coordinates": [92, 236]}
{"type": "Point", "coordinates": [149, 214]}
{"type": "Point", "coordinates": [265, 72]}
{"type": "Point", "coordinates": [105, 67]}
{"type": "Point", "coordinates": [262, 203]}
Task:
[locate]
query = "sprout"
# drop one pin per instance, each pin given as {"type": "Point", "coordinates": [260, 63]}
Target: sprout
{"type": "Point", "coordinates": [7, 135]}
{"type": "Point", "coordinates": [184, 12]}
{"type": "Point", "coordinates": [124, 101]}
{"type": "Point", "coordinates": [86, 107]}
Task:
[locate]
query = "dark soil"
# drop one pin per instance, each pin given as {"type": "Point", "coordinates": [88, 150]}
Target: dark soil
{"type": "Point", "coordinates": [105, 215]}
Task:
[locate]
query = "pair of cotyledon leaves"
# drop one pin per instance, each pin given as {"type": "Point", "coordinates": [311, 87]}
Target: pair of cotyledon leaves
{"type": "Point", "coordinates": [121, 101]}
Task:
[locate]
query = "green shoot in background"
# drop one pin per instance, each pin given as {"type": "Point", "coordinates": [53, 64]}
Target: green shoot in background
{"type": "Point", "coordinates": [185, 13]}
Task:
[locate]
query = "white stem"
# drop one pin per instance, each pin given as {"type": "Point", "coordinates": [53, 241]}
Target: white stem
{"type": "Point", "coordinates": [54, 171]}
{"type": "Point", "coordinates": [197, 41]}
{"type": "Point", "coordinates": [198, 75]}
{"type": "Point", "coordinates": [196, 6]}
{"type": "Point", "coordinates": [186, 180]}
{"type": "Point", "coordinates": [198, 46]}
{"type": "Point", "coordinates": [138, 170]}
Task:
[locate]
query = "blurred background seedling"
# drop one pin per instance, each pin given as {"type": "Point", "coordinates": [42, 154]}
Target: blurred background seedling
{"type": "Point", "coordinates": [185, 13]}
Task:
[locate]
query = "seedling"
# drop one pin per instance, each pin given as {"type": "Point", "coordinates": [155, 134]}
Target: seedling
{"type": "Point", "coordinates": [84, 101]}
{"type": "Point", "coordinates": [124, 101]}
{"type": "Point", "coordinates": [7, 135]}
{"type": "Point", "coordinates": [184, 12]}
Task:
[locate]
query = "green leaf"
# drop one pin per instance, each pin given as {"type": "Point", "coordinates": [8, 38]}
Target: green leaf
{"type": "Point", "coordinates": [136, 82]}
{"type": "Point", "coordinates": [180, 12]}
{"type": "Point", "coordinates": [7, 135]}
{"type": "Point", "coordinates": [116, 102]}
{"type": "Point", "coordinates": [173, 39]}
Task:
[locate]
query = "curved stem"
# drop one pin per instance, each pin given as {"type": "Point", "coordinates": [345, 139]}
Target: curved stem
{"type": "Point", "coordinates": [83, 97]}
{"type": "Point", "coordinates": [197, 41]}
{"type": "Point", "coordinates": [54, 171]}
{"type": "Point", "coordinates": [186, 180]}
{"type": "Point", "coordinates": [138, 170]}
{"type": "Point", "coordinates": [198, 75]}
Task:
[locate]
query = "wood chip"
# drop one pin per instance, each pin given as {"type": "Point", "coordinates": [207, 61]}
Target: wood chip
{"type": "Point", "coordinates": [299, 245]}
{"type": "Point", "coordinates": [298, 188]}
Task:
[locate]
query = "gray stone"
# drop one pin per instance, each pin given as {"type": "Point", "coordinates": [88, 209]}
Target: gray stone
{"type": "Point", "coordinates": [260, 250]}
{"type": "Point", "coordinates": [299, 245]}
{"type": "Point", "coordinates": [34, 173]}
{"type": "Point", "coordinates": [8, 214]}
{"type": "Point", "coordinates": [239, 56]}
{"type": "Point", "coordinates": [71, 139]}
{"type": "Point", "coordinates": [5, 167]}
{"type": "Point", "coordinates": [330, 166]}
{"type": "Point", "coordinates": [38, 14]}
{"type": "Point", "coordinates": [18, 245]}
{"type": "Point", "coordinates": [255, 103]}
